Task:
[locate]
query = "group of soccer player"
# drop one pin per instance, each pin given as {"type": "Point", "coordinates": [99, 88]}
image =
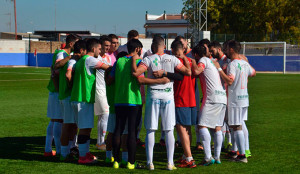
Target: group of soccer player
{"type": "Point", "coordinates": [99, 78]}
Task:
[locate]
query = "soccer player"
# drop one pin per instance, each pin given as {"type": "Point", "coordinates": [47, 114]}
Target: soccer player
{"type": "Point", "coordinates": [160, 99]}
{"type": "Point", "coordinates": [69, 129]}
{"type": "Point", "coordinates": [54, 111]}
{"type": "Point", "coordinates": [213, 106]}
{"type": "Point", "coordinates": [188, 53]}
{"type": "Point", "coordinates": [83, 97]}
{"type": "Point", "coordinates": [101, 107]}
{"type": "Point", "coordinates": [113, 47]}
{"type": "Point", "coordinates": [238, 99]}
{"type": "Point", "coordinates": [186, 110]}
{"type": "Point", "coordinates": [215, 49]}
{"type": "Point", "coordinates": [128, 101]}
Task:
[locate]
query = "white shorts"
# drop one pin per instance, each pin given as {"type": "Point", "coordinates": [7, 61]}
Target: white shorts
{"type": "Point", "coordinates": [67, 110]}
{"type": "Point", "coordinates": [101, 105]}
{"type": "Point", "coordinates": [212, 115]}
{"type": "Point", "coordinates": [111, 124]}
{"type": "Point", "coordinates": [84, 114]}
{"type": "Point", "coordinates": [236, 115]}
{"type": "Point", "coordinates": [156, 108]}
{"type": "Point", "coordinates": [54, 110]}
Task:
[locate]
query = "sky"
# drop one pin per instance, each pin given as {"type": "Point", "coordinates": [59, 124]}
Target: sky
{"type": "Point", "coordinates": [100, 16]}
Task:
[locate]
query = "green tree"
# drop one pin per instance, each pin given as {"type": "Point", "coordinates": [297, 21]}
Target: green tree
{"type": "Point", "coordinates": [252, 20]}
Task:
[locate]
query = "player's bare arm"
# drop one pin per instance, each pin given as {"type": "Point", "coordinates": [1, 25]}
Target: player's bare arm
{"type": "Point", "coordinates": [148, 81]}
{"type": "Point", "coordinates": [137, 71]}
{"type": "Point", "coordinates": [196, 69]}
{"type": "Point", "coordinates": [62, 62]}
{"type": "Point", "coordinates": [171, 76]}
{"type": "Point", "coordinates": [186, 69]}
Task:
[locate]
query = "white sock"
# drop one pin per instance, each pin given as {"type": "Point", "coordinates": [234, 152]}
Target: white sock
{"type": "Point", "coordinates": [101, 127]}
{"type": "Point", "coordinates": [228, 134]}
{"type": "Point", "coordinates": [246, 134]}
{"type": "Point", "coordinates": [49, 137]}
{"type": "Point", "coordinates": [206, 138]}
{"type": "Point", "coordinates": [223, 129]}
{"type": "Point", "coordinates": [150, 141]}
{"type": "Point", "coordinates": [233, 140]}
{"type": "Point", "coordinates": [108, 154]}
{"type": "Point", "coordinates": [125, 156]}
{"type": "Point", "coordinates": [240, 141]}
{"type": "Point", "coordinates": [189, 159]}
{"type": "Point", "coordinates": [170, 143]}
{"type": "Point", "coordinates": [218, 138]}
{"type": "Point", "coordinates": [57, 133]}
{"type": "Point", "coordinates": [198, 138]}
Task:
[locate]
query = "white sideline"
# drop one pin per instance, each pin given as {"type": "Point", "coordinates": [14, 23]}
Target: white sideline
{"type": "Point", "coordinates": [24, 73]}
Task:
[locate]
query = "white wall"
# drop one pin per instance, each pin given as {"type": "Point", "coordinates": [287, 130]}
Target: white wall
{"type": "Point", "coordinates": [13, 46]}
{"type": "Point", "coordinates": [147, 42]}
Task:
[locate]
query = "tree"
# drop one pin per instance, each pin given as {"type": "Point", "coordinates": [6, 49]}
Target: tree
{"type": "Point", "coordinates": [252, 20]}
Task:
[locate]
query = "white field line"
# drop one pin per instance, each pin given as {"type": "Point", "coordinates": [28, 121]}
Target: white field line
{"type": "Point", "coordinates": [23, 73]}
{"type": "Point", "coordinates": [23, 80]}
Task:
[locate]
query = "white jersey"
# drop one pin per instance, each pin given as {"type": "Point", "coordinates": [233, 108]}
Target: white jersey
{"type": "Point", "coordinates": [92, 63]}
{"type": "Point", "coordinates": [158, 62]}
{"type": "Point", "coordinates": [212, 89]}
{"type": "Point", "coordinates": [100, 82]}
{"type": "Point", "coordinates": [239, 70]}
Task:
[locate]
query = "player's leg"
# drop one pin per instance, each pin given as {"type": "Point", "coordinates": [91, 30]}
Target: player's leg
{"type": "Point", "coordinates": [111, 124]}
{"type": "Point", "coordinates": [246, 132]}
{"type": "Point", "coordinates": [218, 137]}
{"type": "Point", "coordinates": [124, 146]}
{"type": "Point", "coordinates": [206, 139]}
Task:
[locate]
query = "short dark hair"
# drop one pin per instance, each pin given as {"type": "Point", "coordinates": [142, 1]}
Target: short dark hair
{"type": "Point", "coordinates": [104, 38]}
{"type": "Point", "coordinates": [235, 45]}
{"type": "Point", "coordinates": [132, 33]}
{"type": "Point", "coordinates": [200, 50]}
{"type": "Point", "coordinates": [225, 45]}
{"type": "Point", "coordinates": [203, 42]}
{"type": "Point", "coordinates": [133, 44]}
{"type": "Point", "coordinates": [113, 36]}
{"type": "Point", "coordinates": [71, 38]}
{"type": "Point", "coordinates": [81, 44]}
{"type": "Point", "coordinates": [156, 42]}
{"type": "Point", "coordinates": [121, 54]}
{"type": "Point", "coordinates": [178, 38]}
{"type": "Point", "coordinates": [176, 45]}
{"type": "Point", "coordinates": [215, 44]}
{"type": "Point", "coordinates": [91, 43]}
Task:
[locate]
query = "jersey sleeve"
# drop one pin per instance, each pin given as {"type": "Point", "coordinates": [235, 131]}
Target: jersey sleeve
{"type": "Point", "coordinates": [59, 56]}
{"type": "Point", "coordinates": [93, 63]}
{"type": "Point", "coordinates": [71, 64]}
{"type": "Point", "coordinates": [177, 63]}
{"type": "Point", "coordinates": [231, 71]}
{"type": "Point", "coordinates": [251, 71]}
{"type": "Point", "coordinates": [145, 63]}
{"type": "Point", "coordinates": [202, 63]}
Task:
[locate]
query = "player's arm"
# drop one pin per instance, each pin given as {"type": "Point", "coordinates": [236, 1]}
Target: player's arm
{"type": "Point", "coordinates": [253, 72]}
{"type": "Point", "coordinates": [169, 75]}
{"type": "Point", "coordinates": [102, 65]}
{"type": "Point", "coordinates": [197, 69]}
{"type": "Point", "coordinates": [147, 81]}
{"type": "Point", "coordinates": [227, 79]}
{"type": "Point", "coordinates": [186, 68]}
{"type": "Point", "coordinates": [61, 62]}
{"type": "Point", "coordinates": [138, 70]}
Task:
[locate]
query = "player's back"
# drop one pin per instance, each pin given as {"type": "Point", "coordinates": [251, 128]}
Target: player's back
{"type": "Point", "coordinates": [239, 70]}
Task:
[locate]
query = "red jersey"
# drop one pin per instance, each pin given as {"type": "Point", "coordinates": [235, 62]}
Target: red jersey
{"type": "Point", "coordinates": [184, 91]}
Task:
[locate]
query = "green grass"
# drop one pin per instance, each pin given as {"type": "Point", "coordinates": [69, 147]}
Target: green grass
{"type": "Point", "coordinates": [273, 126]}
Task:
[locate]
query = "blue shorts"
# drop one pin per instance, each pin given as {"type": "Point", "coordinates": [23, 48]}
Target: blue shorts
{"type": "Point", "coordinates": [186, 116]}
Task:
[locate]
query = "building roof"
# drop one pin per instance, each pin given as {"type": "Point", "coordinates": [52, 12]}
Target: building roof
{"type": "Point", "coordinates": [23, 34]}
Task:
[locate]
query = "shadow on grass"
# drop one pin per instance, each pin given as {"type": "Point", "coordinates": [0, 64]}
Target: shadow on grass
{"type": "Point", "coordinates": [32, 149]}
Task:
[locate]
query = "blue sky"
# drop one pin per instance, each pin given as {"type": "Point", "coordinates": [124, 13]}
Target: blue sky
{"type": "Point", "coordinates": [101, 16]}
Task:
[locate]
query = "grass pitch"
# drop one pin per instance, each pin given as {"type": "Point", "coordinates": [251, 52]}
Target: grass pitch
{"type": "Point", "coordinates": [273, 126]}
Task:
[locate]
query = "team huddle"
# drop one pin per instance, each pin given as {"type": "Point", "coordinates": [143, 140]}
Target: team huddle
{"type": "Point", "coordinates": [99, 78]}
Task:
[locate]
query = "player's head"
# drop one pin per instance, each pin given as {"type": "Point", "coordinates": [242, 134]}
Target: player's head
{"type": "Point", "coordinates": [183, 41]}
{"type": "Point", "coordinates": [215, 49]}
{"type": "Point", "coordinates": [205, 43]}
{"type": "Point", "coordinates": [105, 42]}
{"type": "Point", "coordinates": [134, 46]}
{"type": "Point", "coordinates": [93, 46]}
{"type": "Point", "coordinates": [121, 54]}
{"type": "Point", "coordinates": [177, 48]}
{"type": "Point", "coordinates": [70, 40]}
{"type": "Point", "coordinates": [225, 46]}
{"type": "Point", "coordinates": [158, 42]}
{"type": "Point", "coordinates": [132, 34]}
{"type": "Point", "coordinates": [233, 47]}
{"type": "Point", "coordinates": [200, 51]}
{"type": "Point", "coordinates": [80, 48]}
{"type": "Point", "coordinates": [114, 42]}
